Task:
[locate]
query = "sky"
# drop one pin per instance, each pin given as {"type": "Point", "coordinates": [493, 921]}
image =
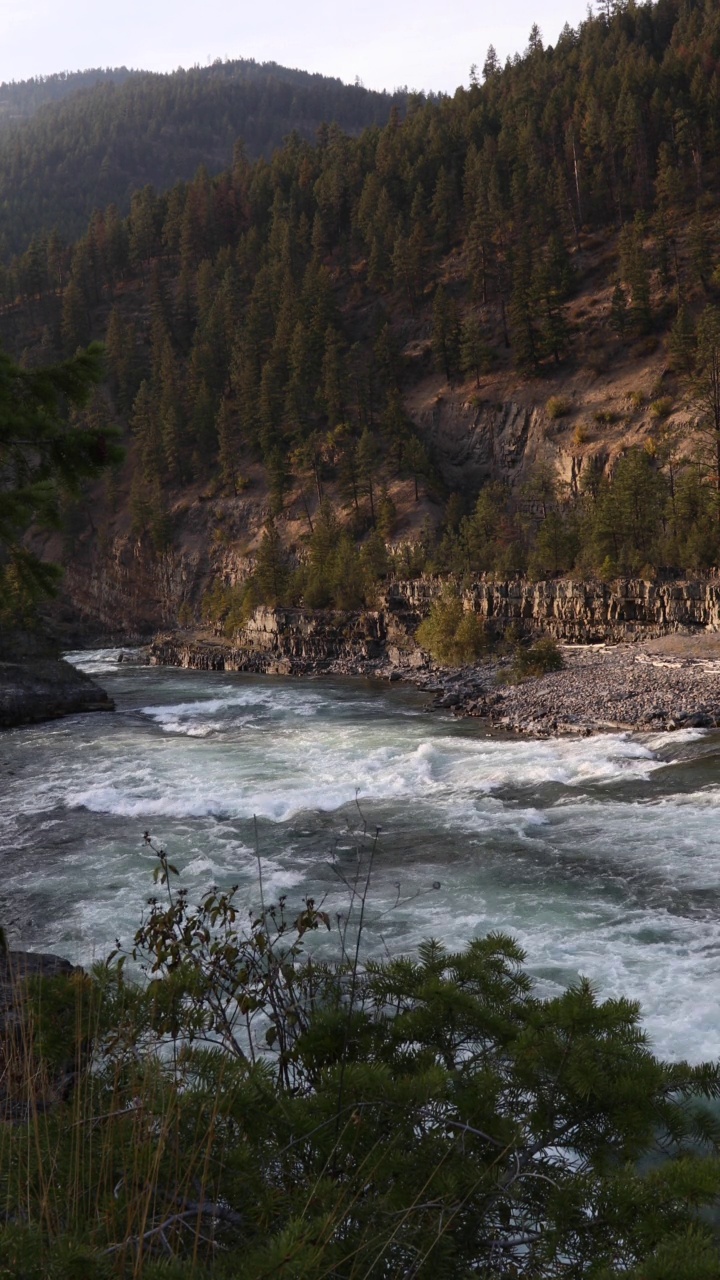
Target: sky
{"type": "Point", "coordinates": [424, 44]}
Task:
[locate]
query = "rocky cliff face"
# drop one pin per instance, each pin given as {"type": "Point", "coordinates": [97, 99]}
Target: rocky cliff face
{"type": "Point", "coordinates": [127, 592]}
{"type": "Point", "coordinates": [584, 612]}
{"type": "Point", "coordinates": [282, 641]}
{"type": "Point", "coordinates": [593, 611]}
{"type": "Point", "coordinates": [476, 441]}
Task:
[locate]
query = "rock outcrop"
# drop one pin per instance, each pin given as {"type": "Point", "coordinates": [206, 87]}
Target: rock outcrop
{"type": "Point", "coordinates": [478, 441]}
{"type": "Point", "coordinates": [581, 612]}
{"type": "Point", "coordinates": [37, 685]}
{"type": "Point", "coordinates": [301, 641]}
{"type": "Point", "coordinates": [282, 642]}
{"type": "Point", "coordinates": [31, 692]}
{"type": "Point", "coordinates": [594, 611]}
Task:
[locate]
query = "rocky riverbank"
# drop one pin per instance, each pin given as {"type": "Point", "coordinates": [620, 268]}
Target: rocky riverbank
{"type": "Point", "coordinates": [641, 688]}
{"type": "Point", "coordinates": [657, 684]}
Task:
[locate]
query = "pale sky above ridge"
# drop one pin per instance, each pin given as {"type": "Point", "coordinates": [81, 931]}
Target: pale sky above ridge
{"type": "Point", "coordinates": [424, 44]}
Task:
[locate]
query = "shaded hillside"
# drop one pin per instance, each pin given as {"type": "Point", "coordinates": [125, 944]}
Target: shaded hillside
{"type": "Point", "coordinates": [20, 99]}
{"type": "Point", "coordinates": [488, 331]}
{"type": "Point", "coordinates": [95, 137]}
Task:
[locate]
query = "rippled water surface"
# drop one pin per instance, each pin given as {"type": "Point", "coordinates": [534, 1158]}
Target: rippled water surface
{"type": "Point", "coordinates": [602, 855]}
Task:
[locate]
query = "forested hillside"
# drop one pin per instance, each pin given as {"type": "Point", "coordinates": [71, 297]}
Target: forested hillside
{"type": "Point", "coordinates": [19, 99]}
{"type": "Point", "coordinates": [72, 143]}
{"type": "Point", "coordinates": [529, 268]}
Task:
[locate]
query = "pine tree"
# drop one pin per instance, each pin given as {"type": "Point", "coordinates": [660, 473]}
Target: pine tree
{"type": "Point", "coordinates": [635, 273]}
{"type": "Point", "coordinates": [417, 462]}
{"type": "Point", "coordinates": [388, 357]}
{"type": "Point", "coordinates": [146, 429]}
{"type": "Point", "coordinates": [366, 462]}
{"type": "Point", "coordinates": [550, 288]}
{"type": "Point", "coordinates": [332, 391]}
{"type": "Point", "coordinates": [442, 208]}
{"type": "Point", "coordinates": [75, 323]}
{"type": "Point", "coordinates": [229, 436]}
{"type": "Point", "coordinates": [143, 227]}
{"type": "Point", "coordinates": [705, 391]}
{"type": "Point", "coordinates": [522, 311]}
{"type": "Point", "coordinates": [277, 479]}
{"type": "Point", "coordinates": [619, 317]}
{"type": "Point", "coordinates": [395, 427]}
{"type": "Point", "coordinates": [386, 513]}
{"type": "Point", "coordinates": [474, 351]}
{"type": "Point", "coordinates": [681, 342]}
{"type": "Point", "coordinates": [202, 428]}
{"type": "Point", "coordinates": [272, 570]}
{"type": "Point", "coordinates": [121, 357]}
{"type": "Point", "coordinates": [446, 333]}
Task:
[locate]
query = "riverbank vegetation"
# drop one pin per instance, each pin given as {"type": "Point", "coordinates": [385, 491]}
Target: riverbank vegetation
{"type": "Point", "coordinates": [255, 1096]}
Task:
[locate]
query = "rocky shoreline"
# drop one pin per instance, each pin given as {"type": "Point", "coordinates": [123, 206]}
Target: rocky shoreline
{"type": "Point", "coordinates": [654, 685]}
{"type": "Point", "coordinates": [600, 689]}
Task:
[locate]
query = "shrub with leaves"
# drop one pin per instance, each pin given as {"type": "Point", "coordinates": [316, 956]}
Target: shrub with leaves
{"type": "Point", "coordinates": [558, 407]}
{"type": "Point", "coordinates": [452, 634]}
{"type": "Point", "coordinates": [536, 660]}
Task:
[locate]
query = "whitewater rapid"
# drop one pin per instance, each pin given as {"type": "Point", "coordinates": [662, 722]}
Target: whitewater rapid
{"type": "Point", "coordinates": [601, 855]}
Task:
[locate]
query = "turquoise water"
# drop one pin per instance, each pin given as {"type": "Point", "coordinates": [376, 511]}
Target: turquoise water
{"type": "Point", "coordinates": [601, 855]}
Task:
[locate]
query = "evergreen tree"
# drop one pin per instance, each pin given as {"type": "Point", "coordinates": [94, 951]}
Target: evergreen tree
{"type": "Point", "coordinates": [705, 391]}
{"type": "Point", "coordinates": [522, 311]}
{"type": "Point", "coordinates": [681, 342]}
{"type": "Point", "coordinates": [229, 436]}
{"type": "Point", "coordinates": [474, 351]}
{"type": "Point", "coordinates": [446, 333]}
{"type": "Point", "coordinates": [75, 323]}
{"type": "Point", "coordinates": [272, 570]}
{"type": "Point", "coordinates": [146, 429]}
{"type": "Point", "coordinates": [416, 461]}
{"type": "Point", "coordinates": [366, 463]}
{"type": "Point", "coordinates": [442, 209]}
{"type": "Point", "coordinates": [277, 479]}
{"type": "Point", "coordinates": [120, 349]}
{"type": "Point", "coordinates": [635, 273]}
{"type": "Point", "coordinates": [332, 392]}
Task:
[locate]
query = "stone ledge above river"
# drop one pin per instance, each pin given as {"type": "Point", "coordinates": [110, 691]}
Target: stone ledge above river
{"type": "Point", "coordinates": [300, 641]}
{"type": "Point", "coordinates": [283, 642]}
{"type": "Point", "coordinates": [592, 612]}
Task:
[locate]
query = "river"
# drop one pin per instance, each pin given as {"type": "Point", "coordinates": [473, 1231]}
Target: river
{"type": "Point", "coordinates": [600, 855]}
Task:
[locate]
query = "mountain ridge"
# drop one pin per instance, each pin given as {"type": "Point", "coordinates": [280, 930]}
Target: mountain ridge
{"type": "Point", "coordinates": [101, 135]}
